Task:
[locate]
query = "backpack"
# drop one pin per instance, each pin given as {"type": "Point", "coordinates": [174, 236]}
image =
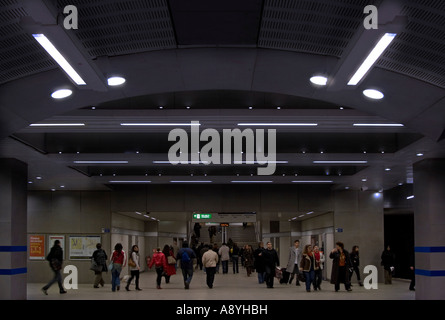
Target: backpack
{"type": "Point", "coordinates": [185, 258]}
{"type": "Point", "coordinates": [100, 257]}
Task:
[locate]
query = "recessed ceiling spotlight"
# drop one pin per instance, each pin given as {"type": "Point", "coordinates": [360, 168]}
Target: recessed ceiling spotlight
{"type": "Point", "coordinates": [137, 151]}
{"type": "Point", "coordinates": [304, 151]}
{"type": "Point", "coordinates": [383, 151]}
{"type": "Point", "coordinates": [160, 174]}
{"type": "Point", "coordinates": [321, 151]}
{"type": "Point", "coordinates": [39, 178]}
{"type": "Point", "coordinates": [93, 108]}
{"type": "Point", "coordinates": [347, 188]}
{"type": "Point", "coordinates": [250, 108]}
{"type": "Point", "coordinates": [188, 107]}
{"type": "Point", "coordinates": [419, 154]}
{"type": "Point", "coordinates": [364, 180]}
{"type": "Point", "coordinates": [373, 94]}
{"type": "Point", "coordinates": [341, 108]}
{"type": "Point", "coordinates": [400, 183]}
{"type": "Point", "coordinates": [387, 169]}
{"type": "Point", "coordinates": [278, 108]}
{"type": "Point", "coordinates": [60, 152]}
{"type": "Point", "coordinates": [319, 80]}
{"type": "Point", "coordinates": [62, 186]}
{"type": "Point", "coordinates": [62, 93]}
{"type": "Point", "coordinates": [101, 174]}
{"type": "Point", "coordinates": [53, 190]}
{"type": "Point", "coordinates": [237, 174]}
{"type": "Point", "coordinates": [77, 152]}
{"type": "Point", "coordinates": [114, 174]}
{"type": "Point", "coordinates": [29, 182]}
{"type": "Point", "coordinates": [284, 174]}
{"type": "Point", "coordinates": [115, 81]}
{"type": "Point", "coordinates": [161, 107]}
{"type": "Point", "coordinates": [364, 151]}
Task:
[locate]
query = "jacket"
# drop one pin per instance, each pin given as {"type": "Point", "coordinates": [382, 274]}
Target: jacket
{"type": "Point", "coordinates": [307, 263]}
{"type": "Point", "coordinates": [224, 252]}
{"type": "Point", "coordinates": [319, 264]}
{"type": "Point", "coordinates": [355, 259]}
{"type": "Point", "coordinates": [294, 255]}
{"type": "Point", "coordinates": [270, 257]}
{"type": "Point", "coordinates": [158, 260]}
{"type": "Point", "coordinates": [55, 257]}
{"type": "Point", "coordinates": [210, 259]}
{"type": "Point", "coordinates": [248, 258]}
{"type": "Point", "coordinates": [135, 257]}
{"type": "Point", "coordinates": [388, 259]}
{"type": "Point", "coordinates": [336, 268]}
{"type": "Point", "coordinates": [191, 254]}
{"type": "Point", "coordinates": [100, 257]}
{"type": "Point", "coordinates": [259, 261]}
{"type": "Point", "coordinates": [119, 258]}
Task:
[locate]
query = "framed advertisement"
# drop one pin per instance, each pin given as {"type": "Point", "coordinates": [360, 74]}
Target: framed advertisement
{"type": "Point", "coordinates": [51, 240]}
{"type": "Point", "coordinates": [36, 247]}
{"type": "Point", "coordinates": [82, 247]}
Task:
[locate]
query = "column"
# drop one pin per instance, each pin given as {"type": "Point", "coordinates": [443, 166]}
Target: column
{"type": "Point", "coordinates": [429, 227]}
{"type": "Point", "coordinates": [358, 220]}
{"type": "Point", "coordinates": [13, 229]}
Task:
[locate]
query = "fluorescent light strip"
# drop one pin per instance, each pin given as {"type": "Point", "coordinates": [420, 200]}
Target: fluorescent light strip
{"type": "Point", "coordinates": [99, 162]}
{"type": "Point", "coordinates": [188, 162]}
{"type": "Point", "coordinates": [160, 124]}
{"type": "Point", "coordinates": [237, 181]}
{"type": "Point", "coordinates": [378, 125]}
{"type": "Point", "coordinates": [196, 181]}
{"type": "Point", "coordinates": [341, 162]}
{"type": "Point", "coordinates": [311, 212]}
{"type": "Point", "coordinates": [128, 181]}
{"type": "Point", "coordinates": [319, 181]}
{"type": "Point", "coordinates": [410, 197]}
{"type": "Point", "coordinates": [59, 58]}
{"type": "Point", "coordinates": [279, 124]}
{"type": "Point", "coordinates": [266, 162]}
{"type": "Point", "coordinates": [57, 124]}
{"type": "Point", "coordinates": [376, 52]}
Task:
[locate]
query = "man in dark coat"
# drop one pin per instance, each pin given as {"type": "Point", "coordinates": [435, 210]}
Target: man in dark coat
{"type": "Point", "coordinates": [55, 258]}
{"type": "Point", "coordinates": [341, 266]}
{"type": "Point", "coordinates": [271, 261]}
{"type": "Point", "coordinates": [259, 262]}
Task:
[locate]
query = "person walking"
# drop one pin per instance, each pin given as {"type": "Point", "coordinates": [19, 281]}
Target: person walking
{"type": "Point", "coordinates": [197, 230]}
{"type": "Point", "coordinates": [355, 260]}
{"type": "Point", "coordinates": [318, 270]}
{"type": "Point", "coordinates": [209, 260]}
{"type": "Point", "coordinates": [119, 260]}
{"type": "Point", "coordinates": [271, 261]}
{"type": "Point", "coordinates": [133, 262]}
{"type": "Point", "coordinates": [185, 256]}
{"type": "Point", "coordinates": [388, 261]}
{"type": "Point", "coordinates": [171, 262]}
{"type": "Point", "coordinates": [224, 253]}
{"type": "Point", "coordinates": [259, 262]}
{"type": "Point", "coordinates": [235, 258]}
{"type": "Point", "coordinates": [292, 263]}
{"type": "Point", "coordinates": [307, 266]}
{"type": "Point", "coordinates": [160, 263]}
{"type": "Point", "coordinates": [55, 258]}
{"type": "Point", "coordinates": [340, 266]}
{"type": "Point", "coordinates": [249, 260]}
{"type": "Point", "coordinates": [100, 258]}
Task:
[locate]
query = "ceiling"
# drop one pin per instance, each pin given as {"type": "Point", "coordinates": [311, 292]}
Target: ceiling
{"type": "Point", "coordinates": [222, 63]}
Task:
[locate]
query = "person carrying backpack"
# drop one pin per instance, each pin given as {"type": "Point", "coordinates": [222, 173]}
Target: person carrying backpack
{"type": "Point", "coordinates": [185, 256]}
{"type": "Point", "coordinates": [55, 258]}
{"type": "Point", "coordinates": [100, 260]}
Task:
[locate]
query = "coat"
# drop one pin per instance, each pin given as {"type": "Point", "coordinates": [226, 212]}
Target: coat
{"type": "Point", "coordinates": [293, 256]}
{"type": "Point", "coordinates": [224, 252]}
{"type": "Point", "coordinates": [335, 267]}
{"type": "Point", "coordinates": [259, 261]}
{"type": "Point", "coordinates": [248, 259]}
{"type": "Point", "coordinates": [210, 259]}
{"type": "Point", "coordinates": [306, 263]}
{"type": "Point", "coordinates": [388, 259]}
{"type": "Point", "coordinates": [271, 259]}
{"type": "Point", "coordinates": [100, 257]}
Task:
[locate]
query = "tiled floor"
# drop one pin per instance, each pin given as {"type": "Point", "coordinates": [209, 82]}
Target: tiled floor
{"type": "Point", "coordinates": [226, 287]}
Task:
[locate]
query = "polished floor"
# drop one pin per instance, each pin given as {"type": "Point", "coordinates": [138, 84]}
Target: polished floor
{"type": "Point", "coordinates": [226, 287]}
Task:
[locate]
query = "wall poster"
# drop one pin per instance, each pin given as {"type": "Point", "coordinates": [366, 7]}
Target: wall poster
{"type": "Point", "coordinates": [36, 247]}
{"type": "Point", "coordinates": [82, 247]}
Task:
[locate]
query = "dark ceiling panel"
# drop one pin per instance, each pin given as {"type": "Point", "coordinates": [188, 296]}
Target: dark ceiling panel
{"type": "Point", "coordinates": [204, 22]}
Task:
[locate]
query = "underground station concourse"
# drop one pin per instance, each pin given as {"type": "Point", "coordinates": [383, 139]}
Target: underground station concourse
{"type": "Point", "coordinates": [273, 120]}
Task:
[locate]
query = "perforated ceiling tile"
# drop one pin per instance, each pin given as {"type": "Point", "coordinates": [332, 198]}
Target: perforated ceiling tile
{"type": "Point", "coordinates": [20, 54]}
{"type": "Point", "coordinates": [320, 27]}
{"type": "Point", "coordinates": [418, 51]}
{"type": "Point", "coordinates": [108, 28]}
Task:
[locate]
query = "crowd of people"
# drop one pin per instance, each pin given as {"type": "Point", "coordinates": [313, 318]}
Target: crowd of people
{"type": "Point", "coordinates": [303, 265]}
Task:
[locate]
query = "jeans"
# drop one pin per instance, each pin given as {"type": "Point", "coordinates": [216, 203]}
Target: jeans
{"type": "Point", "coordinates": [235, 264]}
{"type": "Point", "coordinates": [270, 275]}
{"type": "Point", "coordinates": [225, 266]}
{"type": "Point", "coordinates": [188, 275]}
{"type": "Point", "coordinates": [57, 278]}
{"type": "Point", "coordinates": [309, 279]}
{"type": "Point", "coordinates": [318, 278]}
{"type": "Point", "coordinates": [261, 277]}
{"type": "Point", "coordinates": [134, 274]}
{"type": "Point", "coordinates": [115, 273]}
{"type": "Point", "coordinates": [159, 272]}
{"type": "Point", "coordinates": [210, 276]}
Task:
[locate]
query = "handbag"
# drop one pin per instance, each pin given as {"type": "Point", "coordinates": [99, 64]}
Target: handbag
{"type": "Point", "coordinates": [301, 277]}
{"type": "Point", "coordinates": [131, 263]}
{"type": "Point", "coordinates": [278, 273]}
{"type": "Point", "coordinates": [94, 266]}
{"type": "Point", "coordinates": [171, 260]}
{"type": "Point", "coordinates": [111, 266]}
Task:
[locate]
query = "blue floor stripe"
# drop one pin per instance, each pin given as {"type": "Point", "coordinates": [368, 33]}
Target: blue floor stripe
{"type": "Point", "coordinates": [13, 248]}
{"type": "Point", "coordinates": [430, 273]}
{"type": "Point", "coordinates": [429, 249]}
{"type": "Point", "coordinates": [11, 272]}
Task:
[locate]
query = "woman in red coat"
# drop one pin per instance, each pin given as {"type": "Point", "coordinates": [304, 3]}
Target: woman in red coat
{"type": "Point", "coordinates": [171, 267]}
{"type": "Point", "coordinates": [160, 263]}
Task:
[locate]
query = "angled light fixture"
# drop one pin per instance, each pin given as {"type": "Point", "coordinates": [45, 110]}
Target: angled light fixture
{"type": "Point", "coordinates": [341, 162]}
{"type": "Point", "coordinates": [62, 93]}
{"type": "Point", "coordinates": [313, 181]}
{"type": "Point", "coordinates": [378, 125]}
{"type": "Point", "coordinates": [250, 181]}
{"type": "Point", "coordinates": [59, 58]}
{"type": "Point", "coordinates": [101, 162]}
{"type": "Point", "coordinates": [57, 124]}
{"type": "Point", "coordinates": [129, 181]}
{"type": "Point", "coordinates": [115, 81]}
{"type": "Point", "coordinates": [319, 80]}
{"type": "Point", "coordinates": [279, 124]}
{"type": "Point", "coordinates": [373, 94]}
{"type": "Point", "coordinates": [376, 52]}
{"type": "Point", "coordinates": [160, 124]}
{"type": "Point", "coordinates": [191, 181]}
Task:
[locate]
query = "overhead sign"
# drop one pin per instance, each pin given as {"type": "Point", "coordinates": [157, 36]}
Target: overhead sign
{"type": "Point", "coordinates": [202, 216]}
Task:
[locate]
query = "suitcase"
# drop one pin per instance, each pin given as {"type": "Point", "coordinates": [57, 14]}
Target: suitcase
{"type": "Point", "coordinates": [285, 278]}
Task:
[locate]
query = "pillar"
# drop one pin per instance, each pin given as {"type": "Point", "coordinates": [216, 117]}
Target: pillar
{"type": "Point", "coordinates": [358, 220]}
{"type": "Point", "coordinates": [429, 227]}
{"type": "Point", "coordinates": [13, 229]}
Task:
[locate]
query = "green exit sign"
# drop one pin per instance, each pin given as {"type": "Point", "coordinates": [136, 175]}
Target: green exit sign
{"type": "Point", "coordinates": [202, 216]}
